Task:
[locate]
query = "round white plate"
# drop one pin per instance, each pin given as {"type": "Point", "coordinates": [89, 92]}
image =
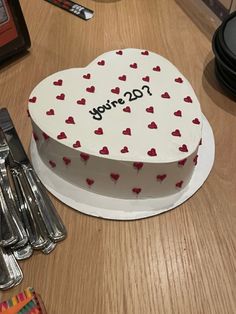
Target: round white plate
{"type": "Point", "coordinates": [123, 209]}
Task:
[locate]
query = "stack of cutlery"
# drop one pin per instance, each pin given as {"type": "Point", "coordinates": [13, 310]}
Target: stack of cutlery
{"type": "Point", "coordinates": [28, 219]}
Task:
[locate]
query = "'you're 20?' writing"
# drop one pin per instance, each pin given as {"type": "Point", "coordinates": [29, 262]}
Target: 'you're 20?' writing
{"type": "Point", "coordinates": [130, 96]}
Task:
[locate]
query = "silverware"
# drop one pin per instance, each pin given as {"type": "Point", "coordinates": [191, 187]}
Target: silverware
{"type": "Point", "coordinates": [6, 279]}
{"type": "Point", "coordinates": [23, 252]}
{"type": "Point", "coordinates": [53, 223]}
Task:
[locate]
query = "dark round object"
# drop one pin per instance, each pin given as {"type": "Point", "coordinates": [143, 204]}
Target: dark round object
{"type": "Point", "coordinates": [223, 82]}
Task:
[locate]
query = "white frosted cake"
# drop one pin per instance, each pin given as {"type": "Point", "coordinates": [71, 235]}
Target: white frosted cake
{"type": "Point", "coordinates": [126, 126]}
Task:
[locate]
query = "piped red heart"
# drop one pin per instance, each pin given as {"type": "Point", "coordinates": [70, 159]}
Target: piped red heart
{"type": "Point", "coordinates": [122, 78]}
{"type": "Point", "coordinates": [81, 101]}
{"type": "Point", "coordinates": [115, 176]}
{"type": "Point", "coordinates": [46, 137]}
{"type": "Point", "coordinates": [99, 131]}
{"type": "Point", "coordinates": [84, 156]}
{"type": "Point", "coordinates": [138, 165]}
{"type": "Point", "coordinates": [179, 80]}
{"type": "Point", "coordinates": [134, 65]}
{"type": "Point", "coordinates": [176, 133]}
{"type": "Point", "coordinates": [87, 76]}
{"type": "Point", "coordinates": [77, 144]}
{"type": "Point", "coordinates": [50, 112]}
{"type": "Point", "coordinates": [127, 131]}
{"type": "Point", "coordinates": [150, 109]}
{"type": "Point", "coordinates": [127, 109]}
{"type": "Point", "coordinates": [178, 113]}
{"type": "Point", "coordinates": [61, 136]}
{"type": "Point", "coordinates": [104, 151]}
{"type": "Point", "coordinates": [120, 52]}
{"type": "Point", "coordinates": [70, 120]}
{"type": "Point", "coordinates": [124, 150]}
{"type": "Point", "coordinates": [161, 177]}
{"type": "Point", "coordinates": [196, 121]}
{"type": "Point", "coordinates": [183, 148]}
{"type": "Point", "coordinates": [136, 190]}
{"type": "Point", "coordinates": [102, 62]}
{"type": "Point", "coordinates": [66, 160]}
{"type": "Point", "coordinates": [188, 99]}
{"type": "Point", "coordinates": [90, 89]}
{"type": "Point", "coordinates": [60, 97]}
{"type": "Point", "coordinates": [152, 125]}
{"type": "Point", "coordinates": [165, 95]}
{"type": "Point", "coordinates": [195, 160]}
{"type": "Point", "coordinates": [182, 162]}
{"type": "Point", "coordinates": [52, 163]}
{"type": "Point", "coordinates": [33, 99]}
{"type": "Point", "coordinates": [179, 184]}
{"type": "Point", "coordinates": [90, 181]}
{"type": "Point", "coordinates": [58, 83]}
{"type": "Point", "coordinates": [157, 69]}
{"type": "Point", "coordinates": [145, 53]}
{"type": "Point", "coordinates": [146, 79]}
{"type": "Point", "coordinates": [152, 152]}
{"type": "Point", "coordinates": [115, 90]}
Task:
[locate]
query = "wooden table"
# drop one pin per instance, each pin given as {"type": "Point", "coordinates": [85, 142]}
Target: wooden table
{"type": "Point", "coordinates": [183, 261]}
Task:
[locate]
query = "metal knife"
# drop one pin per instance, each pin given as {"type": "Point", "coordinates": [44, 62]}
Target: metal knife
{"type": "Point", "coordinates": [53, 223]}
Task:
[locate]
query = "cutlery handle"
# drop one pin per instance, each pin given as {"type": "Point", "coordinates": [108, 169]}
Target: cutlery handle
{"type": "Point", "coordinates": [28, 210]}
{"type": "Point", "coordinates": [52, 220]}
{"type": "Point", "coordinates": [6, 280]}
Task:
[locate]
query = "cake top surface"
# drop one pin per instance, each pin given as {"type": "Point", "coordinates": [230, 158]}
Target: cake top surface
{"type": "Point", "coordinates": [129, 104]}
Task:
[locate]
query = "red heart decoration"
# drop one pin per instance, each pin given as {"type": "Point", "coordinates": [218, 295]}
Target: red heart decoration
{"type": "Point", "coordinates": [152, 125]}
{"type": "Point", "coordinates": [33, 99]}
{"type": "Point", "coordinates": [99, 131]}
{"type": "Point", "coordinates": [52, 163]}
{"type": "Point", "coordinates": [90, 89]}
{"type": "Point", "coordinates": [58, 83]}
{"type": "Point", "coordinates": [195, 160]}
{"type": "Point", "coordinates": [138, 165]}
{"type": "Point", "coordinates": [145, 53]}
{"type": "Point", "coordinates": [182, 162]}
{"type": "Point", "coordinates": [196, 121]}
{"type": "Point", "coordinates": [82, 101]}
{"type": "Point", "coordinates": [127, 109]}
{"type": "Point", "coordinates": [165, 95]}
{"type": "Point", "coordinates": [179, 184]}
{"type": "Point", "coordinates": [66, 160]}
{"type": "Point", "coordinates": [134, 65]}
{"type": "Point", "coordinates": [114, 176]}
{"type": "Point", "coordinates": [183, 148]}
{"type": "Point", "coordinates": [122, 78]}
{"type": "Point", "coordinates": [150, 109]}
{"type": "Point", "coordinates": [35, 136]}
{"type": "Point", "coordinates": [84, 156]}
{"type": "Point", "coordinates": [120, 52]}
{"type": "Point", "coordinates": [157, 68]}
{"type": "Point", "coordinates": [90, 181]}
{"type": "Point", "coordinates": [137, 190]}
{"type": "Point", "coordinates": [152, 152]}
{"type": "Point", "coordinates": [60, 97]}
{"type": "Point", "coordinates": [115, 90]}
{"type": "Point", "coordinates": [178, 113]}
{"type": "Point", "coordinates": [124, 150]}
{"type": "Point", "coordinates": [46, 137]}
{"type": "Point", "coordinates": [70, 120]}
{"type": "Point", "coordinates": [61, 136]}
{"type": "Point", "coordinates": [87, 76]}
{"type": "Point", "coordinates": [77, 144]}
{"type": "Point", "coordinates": [102, 62]}
{"type": "Point", "coordinates": [50, 112]}
{"type": "Point", "coordinates": [146, 79]}
{"type": "Point", "coordinates": [104, 151]}
{"type": "Point", "coordinates": [176, 133]}
{"type": "Point", "coordinates": [188, 99]}
{"type": "Point", "coordinates": [178, 80]}
{"type": "Point", "coordinates": [127, 131]}
{"type": "Point", "coordinates": [161, 177]}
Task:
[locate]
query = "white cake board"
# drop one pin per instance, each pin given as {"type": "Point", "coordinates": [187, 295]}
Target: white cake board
{"type": "Point", "coordinates": [126, 209]}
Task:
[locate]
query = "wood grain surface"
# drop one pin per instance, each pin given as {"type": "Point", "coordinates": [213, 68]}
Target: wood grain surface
{"type": "Point", "coordinates": [183, 261]}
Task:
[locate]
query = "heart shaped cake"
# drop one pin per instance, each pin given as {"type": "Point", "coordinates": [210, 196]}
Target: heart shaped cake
{"type": "Point", "coordinates": [127, 126]}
